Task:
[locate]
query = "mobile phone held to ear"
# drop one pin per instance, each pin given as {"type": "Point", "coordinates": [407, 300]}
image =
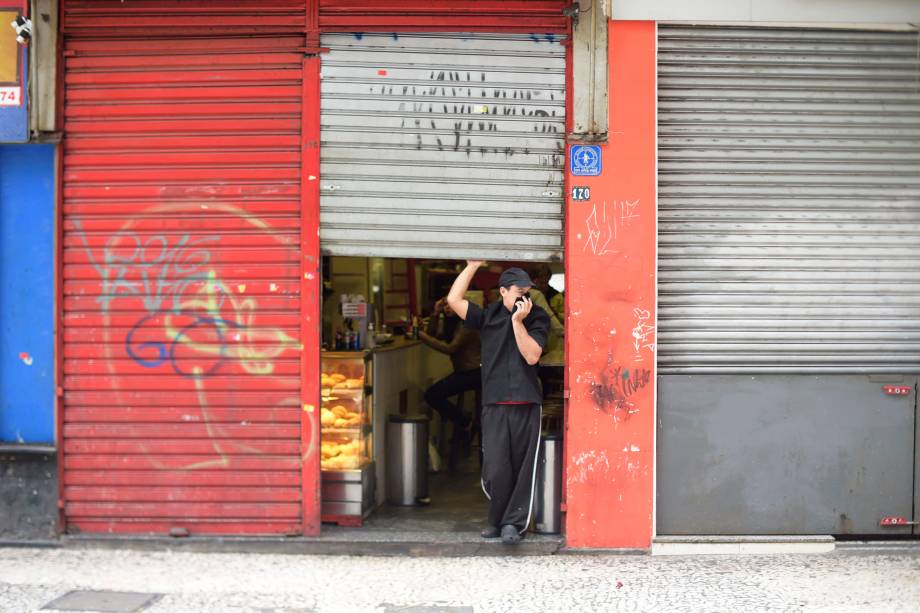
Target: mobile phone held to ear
{"type": "Point", "coordinates": [520, 302]}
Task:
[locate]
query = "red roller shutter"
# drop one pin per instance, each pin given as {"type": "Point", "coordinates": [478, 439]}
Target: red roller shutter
{"type": "Point", "coordinates": [182, 267]}
{"type": "Point", "coordinates": [528, 16]}
{"type": "Point", "coordinates": [183, 17]}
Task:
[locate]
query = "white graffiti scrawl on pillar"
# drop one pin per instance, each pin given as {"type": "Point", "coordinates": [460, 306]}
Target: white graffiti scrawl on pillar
{"type": "Point", "coordinates": [604, 226]}
{"type": "Point", "coordinates": [643, 333]}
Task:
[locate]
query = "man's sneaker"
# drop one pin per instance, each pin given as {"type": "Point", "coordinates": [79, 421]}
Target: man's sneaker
{"type": "Point", "coordinates": [510, 535]}
{"type": "Point", "coordinates": [491, 532]}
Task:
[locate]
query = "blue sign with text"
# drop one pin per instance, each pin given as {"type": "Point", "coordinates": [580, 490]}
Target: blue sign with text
{"type": "Point", "coordinates": [585, 160]}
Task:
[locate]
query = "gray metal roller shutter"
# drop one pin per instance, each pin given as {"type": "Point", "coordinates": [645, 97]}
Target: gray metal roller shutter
{"type": "Point", "coordinates": [443, 146]}
{"type": "Point", "coordinates": [789, 200]}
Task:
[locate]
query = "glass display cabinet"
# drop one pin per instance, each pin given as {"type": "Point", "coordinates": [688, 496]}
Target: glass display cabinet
{"type": "Point", "coordinates": [346, 417]}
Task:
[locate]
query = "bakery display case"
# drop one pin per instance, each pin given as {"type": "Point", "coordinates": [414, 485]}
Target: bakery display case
{"type": "Point", "coordinates": [346, 417]}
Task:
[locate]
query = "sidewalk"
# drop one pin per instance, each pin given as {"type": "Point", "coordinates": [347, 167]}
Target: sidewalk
{"type": "Point", "coordinates": [855, 578]}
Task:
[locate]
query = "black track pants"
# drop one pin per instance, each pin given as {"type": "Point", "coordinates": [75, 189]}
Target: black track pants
{"type": "Point", "coordinates": [510, 441]}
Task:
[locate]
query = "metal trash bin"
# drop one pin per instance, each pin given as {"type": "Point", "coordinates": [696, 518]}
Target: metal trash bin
{"type": "Point", "coordinates": [548, 494]}
{"type": "Point", "coordinates": [407, 460]}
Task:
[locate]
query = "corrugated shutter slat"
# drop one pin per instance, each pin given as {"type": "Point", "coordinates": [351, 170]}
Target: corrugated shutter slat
{"type": "Point", "coordinates": [789, 200]}
{"type": "Point", "coordinates": [181, 274]}
{"type": "Point", "coordinates": [443, 146]}
{"type": "Point", "coordinates": [444, 15]}
{"type": "Point", "coordinates": [172, 17]}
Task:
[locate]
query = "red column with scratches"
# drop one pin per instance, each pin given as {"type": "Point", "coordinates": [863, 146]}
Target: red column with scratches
{"type": "Point", "coordinates": [611, 335]}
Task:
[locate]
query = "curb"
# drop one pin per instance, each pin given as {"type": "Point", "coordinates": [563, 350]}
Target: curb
{"type": "Point", "coordinates": [742, 545]}
{"type": "Point", "coordinates": [302, 546]}
{"type": "Point", "coordinates": [37, 544]}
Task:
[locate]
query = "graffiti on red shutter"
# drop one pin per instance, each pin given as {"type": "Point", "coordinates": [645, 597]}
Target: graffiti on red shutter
{"type": "Point", "coordinates": [193, 323]}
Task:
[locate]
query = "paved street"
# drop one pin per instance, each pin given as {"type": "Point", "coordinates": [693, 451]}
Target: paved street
{"type": "Point", "coordinates": [876, 580]}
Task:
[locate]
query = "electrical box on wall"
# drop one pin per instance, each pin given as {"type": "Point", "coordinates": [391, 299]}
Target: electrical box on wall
{"type": "Point", "coordinates": [589, 70]}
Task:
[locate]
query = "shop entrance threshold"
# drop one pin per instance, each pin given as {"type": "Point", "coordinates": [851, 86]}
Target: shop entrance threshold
{"type": "Point", "coordinates": [343, 542]}
{"type": "Point", "coordinates": [448, 527]}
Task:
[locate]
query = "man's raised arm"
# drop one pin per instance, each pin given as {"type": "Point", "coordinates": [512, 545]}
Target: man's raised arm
{"type": "Point", "coordinates": [455, 298]}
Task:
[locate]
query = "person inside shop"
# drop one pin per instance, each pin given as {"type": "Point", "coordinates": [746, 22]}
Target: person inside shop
{"type": "Point", "coordinates": [461, 344]}
{"type": "Point", "coordinates": [542, 295]}
{"type": "Point", "coordinates": [541, 275]}
{"type": "Point", "coordinates": [513, 333]}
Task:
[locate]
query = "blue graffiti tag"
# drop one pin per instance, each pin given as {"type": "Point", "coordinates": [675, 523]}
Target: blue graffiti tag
{"type": "Point", "coordinates": [217, 323]}
{"type": "Point", "coordinates": [159, 347]}
{"type": "Point", "coordinates": [167, 350]}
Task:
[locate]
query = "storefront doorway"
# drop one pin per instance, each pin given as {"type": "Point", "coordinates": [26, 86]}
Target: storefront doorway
{"type": "Point", "coordinates": [390, 349]}
{"type": "Point", "coordinates": [434, 148]}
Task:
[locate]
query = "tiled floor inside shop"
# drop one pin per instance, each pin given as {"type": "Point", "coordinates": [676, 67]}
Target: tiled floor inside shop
{"type": "Point", "coordinates": [458, 505]}
{"type": "Point", "coordinates": [457, 513]}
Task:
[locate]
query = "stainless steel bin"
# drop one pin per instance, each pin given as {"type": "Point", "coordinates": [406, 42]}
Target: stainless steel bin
{"type": "Point", "coordinates": [548, 494]}
{"type": "Point", "coordinates": [407, 460]}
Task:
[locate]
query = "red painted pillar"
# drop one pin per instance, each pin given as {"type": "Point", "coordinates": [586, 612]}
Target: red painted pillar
{"type": "Point", "coordinates": [311, 283]}
{"type": "Point", "coordinates": [611, 299]}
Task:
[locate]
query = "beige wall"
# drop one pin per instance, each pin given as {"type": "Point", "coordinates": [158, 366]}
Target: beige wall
{"type": "Point", "coordinates": [767, 11]}
{"type": "Point", "coordinates": [9, 50]}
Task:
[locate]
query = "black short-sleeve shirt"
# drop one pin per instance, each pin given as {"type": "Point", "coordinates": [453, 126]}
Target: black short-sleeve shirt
{"type": "Point", "coordinates": [506, 375]}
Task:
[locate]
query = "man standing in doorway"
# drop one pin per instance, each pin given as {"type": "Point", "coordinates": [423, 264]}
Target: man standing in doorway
{"type": "Point", "coordinates": [513, 333]}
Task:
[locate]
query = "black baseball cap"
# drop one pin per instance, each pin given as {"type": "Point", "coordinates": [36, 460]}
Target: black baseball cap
{"type": "Point", "coordinates": [515, 276]}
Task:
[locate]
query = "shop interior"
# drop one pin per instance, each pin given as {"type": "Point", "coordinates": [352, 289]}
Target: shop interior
{"type": "Point", "coordinates": [400, 398]}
